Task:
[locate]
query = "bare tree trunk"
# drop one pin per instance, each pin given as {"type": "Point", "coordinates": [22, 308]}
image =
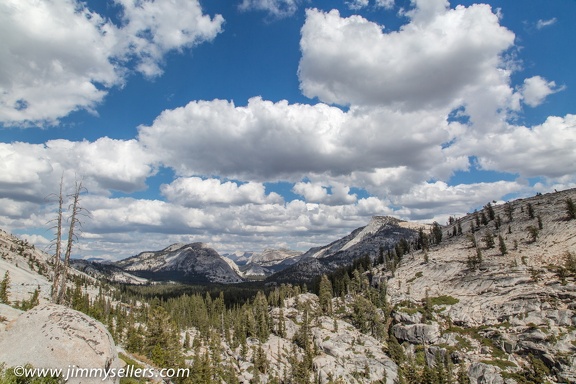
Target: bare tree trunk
{"type": "Point", "coordinates": [57, 255]}
{"type": "Point", "coordinates": [71, 236]}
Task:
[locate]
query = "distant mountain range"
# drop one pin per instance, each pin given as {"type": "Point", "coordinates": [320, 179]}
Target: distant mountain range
{"type": "Point", "coordinates": [196, 263]}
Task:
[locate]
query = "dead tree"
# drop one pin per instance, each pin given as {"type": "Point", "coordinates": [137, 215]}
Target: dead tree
{"type": "Point", "coordinates": [61, 266]}
{"type": "Point", "coordinates": [58, 240]}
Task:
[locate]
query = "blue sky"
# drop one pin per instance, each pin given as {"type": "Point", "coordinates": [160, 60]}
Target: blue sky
{"type": "Point", "coordinates": [250, 124]}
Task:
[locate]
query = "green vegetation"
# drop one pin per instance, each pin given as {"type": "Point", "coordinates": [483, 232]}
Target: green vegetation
{"type": "Point", "coordinates": [502, 364]}
{"type": "Point", "coordinates": [530, 211]}
{"type": "Point", "coordinates": [532, 233]}
{"type": "Point", "coordinates": [7, 376]}
{"type": "Point", "coordinates": [444, 300]}
{"type": "Point", "coordinates": [416, 276]}
{"type": "Point", "coordinates": [130, 362]}
{"type": "Point", "coordinates": [4, 288]}
{"type": "Point", "coordinates": [488, 239]}
{"type": "Point", "coordinates": [570, 209]}
{"type": "Point", "coordinates": [502, 245]}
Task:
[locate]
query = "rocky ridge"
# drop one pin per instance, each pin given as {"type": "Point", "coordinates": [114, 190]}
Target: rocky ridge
{"type": "Point", "coordinates": [381, 234]}
{"type": "Point", "coordinates": [500, 312]}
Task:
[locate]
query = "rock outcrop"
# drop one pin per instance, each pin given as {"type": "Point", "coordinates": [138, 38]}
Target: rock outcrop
{"type": "Point", "coordinates": [56, 337]}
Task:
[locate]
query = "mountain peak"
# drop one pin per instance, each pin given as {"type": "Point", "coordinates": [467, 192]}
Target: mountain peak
{"type": "Point", "coordinates": [174, 247]}
{"type": "Point", "coordinates": [383, 220]}
{"type": "Point", "coordinates": [183, 262]}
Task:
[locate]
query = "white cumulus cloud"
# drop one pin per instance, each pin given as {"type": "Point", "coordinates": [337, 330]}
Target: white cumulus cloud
{"type": "Point", "coordinates": [196, 192]}
{"type": "Point", "coordinates": [153, 28]}
{"type": "Point", "coordinates": [58, 56]}
{"type": "Point", "coordinates": [336, 194]}
{"type": "Point", "coordinates": [55, 58]}
{"type": "Point", "coordinates": [443, 59]}
{"type": "Point", "coordinates": [547, 150]}
{"type": "Point", "coordinates": [32, 172]}
{"type": "Point", "coordinates": [536, 89]}
{"type": "Point", "coordinates": [268, 141]}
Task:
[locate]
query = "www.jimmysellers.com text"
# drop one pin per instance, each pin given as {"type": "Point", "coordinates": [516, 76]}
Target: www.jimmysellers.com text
{"type": "Point", "coordinates": [73, 371]}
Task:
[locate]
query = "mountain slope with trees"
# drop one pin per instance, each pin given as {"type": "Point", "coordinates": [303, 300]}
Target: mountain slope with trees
{"type": "Point", "coordinates": [487, 298]}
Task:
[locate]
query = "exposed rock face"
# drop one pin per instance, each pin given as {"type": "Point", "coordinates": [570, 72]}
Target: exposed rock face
{"type": "Point", "coordinates": [480, 373]}
{"type": "Point", "coordinates": [346, 352]}
{"type": "Point", "coordinates": [54, 336]}
{"type": "Point", "coordinates": [506, 309]}
{"type": "Point", "coordinates": [272, 257]}
{"type": "Point", "coordinates": [382, 233]}
{"type": "Point", "coordinates": [417, 333]}
{"type": "Point", "coordinates": [194, 262]}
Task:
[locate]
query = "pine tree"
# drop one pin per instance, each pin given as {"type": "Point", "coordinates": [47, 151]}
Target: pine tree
{"type": "Point", "coordinates": [35, 299]}
{"type": "Point", "coordinates": [423, 241]}
{"type": "Point", "coordinates": [437, 233]}
{"type": "Point", "coordinates": [490, 211]}
{"type": "Point", "coordinates": [533, 233]}
{"type": "Point", "coordinates": [509, 211]}
{"type": "Point", "coordinates": [540, 225]}
{"type": "Point", "coordinates": [474, 261]}
{"type": "Point", "coordinates": [262, 320]}
{"type": "Point", "coordinates": [281, 324]}
{"type": "Point", "coordinates": [303, 336]}
{"type": "Point", "coordinates": [488, 239]}
{"type": "Point", "coordinates": [259, 359]}
{"type": "Point", "coordinates": [162, 344]}
{"type": "Point", "coordinates": [32, 302]}
{"type": "Point", "coordinates": [483, 218]}
{"type": "Point", "coordinates": [325, 295]}
{"type": "Point", "coordinates": [5, 288]}
{"type": "Point", "coordinates": [134, 338]}
{"type": "Point", "coordinates": [411, 373]}
{"type": "Point", "coordinates": [530, 211]}
{"type": "Point", "coordinates": [502, 245]}
{"type": "Point", "coordinates": [380, 259]}
{"type": "Point", "coordinates": [570, 262]}
{"type": "Point", "coordinates": [76, 210]}
{"type": "Point", "coordinates": [570, 209]}
{"type": "Point", "coordinates": [395, 351]}
{"type": "Point", "coordinates": [472, 240]}
{"type": "Point", "coordinates": [428, 310]}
